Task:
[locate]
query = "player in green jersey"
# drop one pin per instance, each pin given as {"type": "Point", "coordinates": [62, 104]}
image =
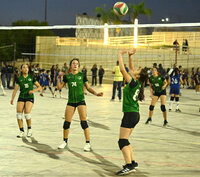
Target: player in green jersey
{"type": "Point", "coordinates": [76, 81]}
{"type": "Point", "coordinates": [157, 90]}
{"type": "Point", "coordinates": [26, 99]}
{"type": "Point", "coordinates": [132, 92]}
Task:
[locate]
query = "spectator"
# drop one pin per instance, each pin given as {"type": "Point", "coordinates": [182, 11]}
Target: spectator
{"type": "Point", "coordinates": [127, 70]}
{"type": "Point", "coordinates": [16, 75]}
{"type": "Point", "coordinates": [176, 45]}
{"type": "Point", "coordinates": [101, 73]}
{"type": "Point", "coordinates": [117, 84]}
{"type": "Point", "coordinates": [185, 46]}
{"type": "Point", "coordinates": [3, 75]}
{"type": "Point", "coordinates": [154, 65]}
{"type": "Point", "coordinates": [52, 73]}
{"type": "Point", "coordinates": [65, 69]}
{"type": "Point", "coordinates": [84, 71]}
{"type": "Point", "coordinates": [9, 74]}
{"type": "Point", "coordinates": [161, 70]}
{"type": "Point", "coordinates": [94, 74]}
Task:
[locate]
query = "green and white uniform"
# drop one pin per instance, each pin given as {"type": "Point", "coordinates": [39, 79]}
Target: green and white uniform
{"type": "Point", "coordinates": [130, 104]}
{"type": "Point", "coordinates": [157, 84]}
{"type": "Point", "coordinates": [130, 96]}
{"type": "Point", "coordinates": [26, 84]}
{"type": "Point", "coordinates": [75, 85]}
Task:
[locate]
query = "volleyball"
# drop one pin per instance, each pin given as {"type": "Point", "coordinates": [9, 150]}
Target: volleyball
{"type": "Point", "coordinates": [120, 8]}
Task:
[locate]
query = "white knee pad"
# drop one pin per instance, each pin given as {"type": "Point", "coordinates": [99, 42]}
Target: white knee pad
{"type": "Point", "coordinates": [27, 116]}
{"type": "Point", "coordinates": [19, 115]}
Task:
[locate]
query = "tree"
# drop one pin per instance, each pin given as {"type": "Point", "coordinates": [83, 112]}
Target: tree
{"type": "Point", "coordinates": [107, 16]}
{"type": "Point", "coordinates": [138, 9]}
{"type": "Point", "coordinates": [25, 40]}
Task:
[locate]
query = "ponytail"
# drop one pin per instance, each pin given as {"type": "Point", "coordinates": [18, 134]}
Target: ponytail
{"type": "Point", "coordinates": [143, 78]}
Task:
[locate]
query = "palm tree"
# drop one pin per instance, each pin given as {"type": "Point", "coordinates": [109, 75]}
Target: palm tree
{"type": "Point", "coordinates": [107, 16]}
{"type": "Point", "coordinates": [138, 9]}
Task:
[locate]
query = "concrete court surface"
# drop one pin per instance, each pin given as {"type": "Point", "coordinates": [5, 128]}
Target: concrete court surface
{"type": "Point", "coordinates": [161, 152]}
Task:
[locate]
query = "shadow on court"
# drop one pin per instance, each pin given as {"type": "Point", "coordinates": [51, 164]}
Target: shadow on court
{"type": "Point", "coordinates": [178, 129]}
{"type": "Point", "coordinates": [109, 168]}
{"type": "Point", "coordinates": [96, 125]}
{"type": "Point", "coordinates": [41, 148]}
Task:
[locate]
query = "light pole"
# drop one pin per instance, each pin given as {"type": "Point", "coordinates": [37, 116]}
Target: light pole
{"type": "Point", "coordinates": [45, 15]}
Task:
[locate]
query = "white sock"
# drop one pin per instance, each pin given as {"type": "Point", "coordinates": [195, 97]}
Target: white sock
{"type": "Point", "coordinates": [2, 88]}
{"type": "Point", "coordinates": [170, 104]}
{"type": "Point", "coordinates": [177, 105]}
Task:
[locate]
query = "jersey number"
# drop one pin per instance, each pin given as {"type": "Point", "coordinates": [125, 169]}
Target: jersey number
{"type": "Point", "coordinates": [135, 96]}
{"type": "Point", "coordinates": [74, 84]}
{"type": "Point", "coordinates": [174, 81]}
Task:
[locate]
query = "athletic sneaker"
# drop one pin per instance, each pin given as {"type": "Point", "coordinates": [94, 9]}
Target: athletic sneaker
{"type": "Point", "coordinates": [178, 110]}
{"type": "Point", "coordinates": [29, 133]}
{"type": "Point", "coordinates": [4, 93]}
{"type": "Point", "coordinates": [135, 164]}
{"type": "Point", "coordinates": [148, 120]}
{"type": "Point", "coordinates": [112, 100]}
{"type": "Point", "coordinates": [165, 123]}
{"type": "Point", "coordinates": [20, 135]}
{"type": "Point", "coordinates": [126, 170]}
{"type": "Point", "coordinates": [170, 110]}
{"type": "Point", "coordinates": [87, 147]}
{"type": "Point", "coordinates": [64, 145]}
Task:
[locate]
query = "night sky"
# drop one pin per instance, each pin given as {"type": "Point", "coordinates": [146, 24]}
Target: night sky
{"type": "Point", "coordinates": [63, 12]}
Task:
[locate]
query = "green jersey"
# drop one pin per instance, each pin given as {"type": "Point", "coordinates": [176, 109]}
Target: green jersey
{"type": "Point", "coordinates": [75, 85]}
{"type": "Point", "coordinates": [130, 96]}
{"type": "Point", "coordinates": [26, 84]}
{"type": "Point", "coordinates": [157, 83]}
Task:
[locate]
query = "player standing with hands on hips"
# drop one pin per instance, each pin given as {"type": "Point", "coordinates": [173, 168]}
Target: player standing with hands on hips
{"type": "Point", "coordinates": [26, 99]}
{"type": "Point", "coordinates": [76, 81]}
{"type": "Point", "coordinates": [132, 92]}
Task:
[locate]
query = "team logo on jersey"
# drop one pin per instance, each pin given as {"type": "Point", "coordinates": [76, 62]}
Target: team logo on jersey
{"type": "Point", "coordinates": [79, 77]}
{"type": "Point", "coordinates": [159, 78]}
{"type": "Point", "coordinates": [26, 85]}
{"type": "Point", "coordinates": [29, 79]}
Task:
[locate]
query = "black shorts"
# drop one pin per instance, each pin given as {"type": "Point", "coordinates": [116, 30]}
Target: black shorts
{"type": "Point", "coordinates": [76, 104]}
{"type": "Point", "coordinates": [130, 119]}
{"type": "Point", "coordinates": [163, 92]}
{"type": "Point", "coordinates": [196, 82]}
{"type": "Point", "coordinates": [25, 100]}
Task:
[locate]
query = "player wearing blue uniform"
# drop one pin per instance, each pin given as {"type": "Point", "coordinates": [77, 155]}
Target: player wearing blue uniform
{"type": "Point", "coordinates": [174, 82]}
{"type": "Point", "coordinates": [197, 81]}
{"type": "Point", "coordinates": [45, 79]}
{"type": "Point", "coordinates": [55, 84]}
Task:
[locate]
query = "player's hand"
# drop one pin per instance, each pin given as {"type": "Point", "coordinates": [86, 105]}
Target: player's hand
{"type": "Point", "coordinates": [61, 74]}
{"type": "Point", "coordinates": [11, 102]}
{"type": "Point", "coordinates": [132, 52]}
{"type": "Point", "coordinates": [163, 87]}
{"type": "Point", "coordinates": [85, 93]}
{"type": "Point", "coordinates": [100, 94]}
{"type": "Point", "coordinates": [123, 52]}
{"type": "Point", "coordinates": [31, 92]}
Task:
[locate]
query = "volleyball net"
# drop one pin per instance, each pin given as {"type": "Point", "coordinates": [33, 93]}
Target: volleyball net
{"type": "Point", "coordinates": [164, 44]}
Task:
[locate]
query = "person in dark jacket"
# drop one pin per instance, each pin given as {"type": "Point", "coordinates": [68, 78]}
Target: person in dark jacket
{"type": "Point", "coordinates": [101, 73]}
{"type": "Point", "coordinates": [3, 75]}
{"type": "Point", "coordinates": [94, 74]}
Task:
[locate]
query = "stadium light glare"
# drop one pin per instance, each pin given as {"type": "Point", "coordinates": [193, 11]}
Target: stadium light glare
{"type": "Point", "coordinates": [106, 34]}
{"type": "Point", "coordinates": [135, 32]}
